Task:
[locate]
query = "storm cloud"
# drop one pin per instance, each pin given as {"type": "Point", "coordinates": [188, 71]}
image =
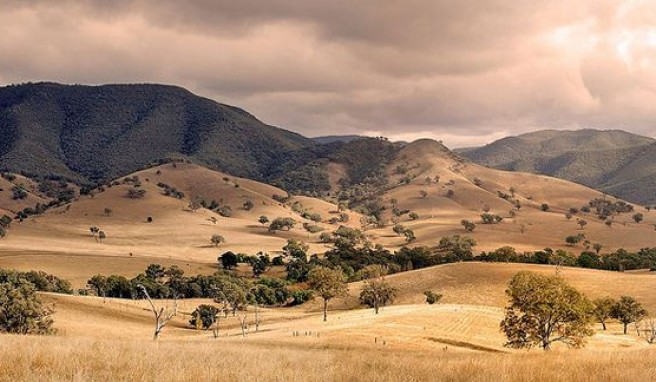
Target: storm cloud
{"type": "Point", "coordinates": [466, 72]}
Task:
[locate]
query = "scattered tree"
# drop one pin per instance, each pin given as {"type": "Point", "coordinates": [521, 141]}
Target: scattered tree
{"type": "Point", "coordinates": [628, 310]}
{"type": "Point", "coordinates": [638, 217]}
{"type": "Point", "coordinates": [468, 225]}
{"type": "Point", "coordinates": [21, 310]}
{"type": "Point", "coordinates": [544, 310]}
{"type": "Point", "coordinates": [217, 239]}
{"type": "Point", "coordinates": [263, 220]}
{"type": "Point", "coordinates": [377, 293]}
{"type": "Point", "coordinates": [432, 297]}
{"type": "Point", "coordinates": [162, 316]}
{"type": "Point", "coordinates": [327, 283]}
{"type": "Point", "coordinates": [603, 308]}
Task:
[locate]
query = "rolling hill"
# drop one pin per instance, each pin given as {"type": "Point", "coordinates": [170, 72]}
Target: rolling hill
{"type": "Point", "coordinates": [613, 161]}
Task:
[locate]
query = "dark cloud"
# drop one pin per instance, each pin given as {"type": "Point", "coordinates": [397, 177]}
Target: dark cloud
{"type": "Point", "coordinates": [466, 72]}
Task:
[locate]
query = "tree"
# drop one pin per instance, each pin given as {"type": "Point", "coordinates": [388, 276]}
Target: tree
{"type": "Point", "coordinates": [582, 223]}
{"type": "Point", "coordinates": [101, 236]}
{"type": "Point", "coordinates": [248, 205]}
{"type": "Point", "coordinates": [638, 217]}
{"type": "Point", "coordinates": [597, 247]}
{"type": "Point", "coordinates": [162, 316]}
{"type": "Point", "coordinates": [229, 260]}
{"type": "Point", "coordinates": [432, 297]}
{"type": "Point", "coordinates": [423, 194]}
{"type": "Point", "coordinates": [94, 231]}
{"type": "Point", "coordinates": [327, 283]}
{"type": "Point", "coordinates": [377, 293]}
{"type": "Point", "coordinates": [5, 221]}
{"type": "Point", "coordinates": [628, 310]}
{"type": "Point", "coordinates": [544, 207]}
{"type": "Point", "coordinates": [108, 211]}
{"type": "Point", "coordinates": [279, 224]}
{"type": "Point", "coordinates": [21, 310]}
{"type": "Point", "coordinates": [217, 239]}
{"type": "Point", "coordinates": [204, 316]}
{"type": "Point", "coordinates": [468, 225]}
{"type": "Point", "coordinates": [456, 246]}
{"type": "Point", "coordinates": [409, 235]}
{"type": "Point", "coordinates": [544, 310]}
{"type": "Point", "coordinates": [263, 220]}
{"type": "Point", "coordinates": [603, 308]}
{"type": "Point", "coordinates": [413, 216]}
{"type": "Point", "coordinates": [398, 229]}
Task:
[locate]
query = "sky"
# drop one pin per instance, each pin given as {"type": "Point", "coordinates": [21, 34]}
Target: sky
{"type": "Point", "coordinates": [465, 72]}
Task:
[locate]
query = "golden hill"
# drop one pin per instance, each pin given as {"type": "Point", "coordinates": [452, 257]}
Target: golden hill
{"type": "Point", "coordinates": [476, 189]}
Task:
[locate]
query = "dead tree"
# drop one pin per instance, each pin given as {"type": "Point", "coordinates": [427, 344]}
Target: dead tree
{"type": "Point", "coordinates": [162, 317]}
{"type": "Point", "coordinates": [647, 330]}
{"type": "Point", "coordinates": [243, 324]}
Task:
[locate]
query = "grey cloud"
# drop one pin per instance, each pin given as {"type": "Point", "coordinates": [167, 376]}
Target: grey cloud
{"type": "Point", "coordinates": [468, 71]}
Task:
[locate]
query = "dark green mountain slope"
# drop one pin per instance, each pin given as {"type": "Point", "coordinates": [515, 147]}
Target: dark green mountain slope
{"type": "Point", "coordinates": [91, 133]}
{"type": "Point", "coordinates": [614, 161]}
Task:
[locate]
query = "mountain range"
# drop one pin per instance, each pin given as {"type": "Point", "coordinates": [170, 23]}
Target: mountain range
{"type": "Point", "coordinates": [613, 161]}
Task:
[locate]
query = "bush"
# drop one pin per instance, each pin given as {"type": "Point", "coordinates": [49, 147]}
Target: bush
{"type": "Point", "coordinates": [432, 297]}
{"type": "Point", "coordinates": [203, 317]}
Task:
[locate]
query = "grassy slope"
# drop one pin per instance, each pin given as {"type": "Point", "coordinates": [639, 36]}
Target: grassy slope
{"type": "Point", "coordinates": [440, 215]}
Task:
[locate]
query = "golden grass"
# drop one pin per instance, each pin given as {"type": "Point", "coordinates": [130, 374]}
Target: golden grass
{"type": "Point", "coordinates": [52, 358]}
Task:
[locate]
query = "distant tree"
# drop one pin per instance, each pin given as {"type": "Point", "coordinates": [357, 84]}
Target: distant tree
{"type": "Point", "coordinates": [544, 207]}
{"type": "Point", "coordinates": [327, 283]}
{"type": "Point", "coordinates": [21, 310]}
{"type": "Point", "coordinates": [325, 237]}
{"type": "Point", "coordinates": [229, 260]}
{"type": "Point", "coordinates": [413, 216]}
{"type": "Point", "coordinates": [101, 236]}
{"type": "Point", "coordinates": [377, 293]}
{"type": "Point", "coordinates": [638, 217]}
{"type": "Point", "coordinates": [458, 247]}
{"type": "Point", "coordinates": [259, 264]}
{"type": "Point", "coordinates": [224, 211]}
{"type": "Point", "coordinates": [108, 211]}
{"type": "Point", "coordinates": [155, 272]}
{"type": "Point", "coordinates": [544, 310]}
{"type": "Point", "coordinates": [609, 223]}
{"type": "Point", "coordinates": [195, 203]}
{"type": "Point", "coordinates": [248, 205]}
{"type": "Point", "coordinates": [5, 221]}
{"type": "Point", "coordinates": [582, 223]}
{"type": "Point", "coordinates": [279, 224]}
{"type": "Point", "coordinates": [263, 220]}
{"type": "Point", "coordinates": [512, 191]}
{"type": "Point", "coordinates": [573, 240]}
{"type": "Point", "coordinates": [432, 297]}
{"type": "Point", "coordinates": [468, 225]}
{"type": "Point", "coordinates": [3, 232]}
{"type": "Point", "coordinates": [18, 192]}
{"type": "Point", "coordinates": [398, 229]}
{"type": "Point", "coordinates": [149, 219]}
{"type": "Point", "coordinates": [423, 193]}
{"type": "Point", "coordinates": [217, 239]}
{"type": "Point", "coordinates": [568, 215]}
{"type": "Point", "coordinates": [213, 219]}
{"type": "Point", "coordinates": [603, 309]}
{"type": "Point", "coordinates": [450, 194]}
{"type": "Point", "coordinates": [628, 310]}
{"type": "Point", "coordinates": [409, 235]}
{"type": "Point", "coordinates": [597, 247]}
{"type": "Point", "coordinates": [94, 231]}
{"type": "Point", "coordinates": [136, 193]}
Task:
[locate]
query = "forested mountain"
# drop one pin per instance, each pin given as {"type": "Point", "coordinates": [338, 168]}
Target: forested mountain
{"type": "Point", "coordinates": [93, 133]}
{"type": "Point", "coordinates": [614, 161]}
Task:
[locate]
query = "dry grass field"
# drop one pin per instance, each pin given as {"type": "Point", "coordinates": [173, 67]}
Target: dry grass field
{"type": "Point", "coordinates": [455, 340]}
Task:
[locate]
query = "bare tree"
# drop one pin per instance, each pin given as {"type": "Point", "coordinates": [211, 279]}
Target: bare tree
{"type": "Point", "coordinates": [647, 330]}
{"type": "Point", "coordinates": [243, 324]}
{"type": "Point", "coordinates": [162, 317]}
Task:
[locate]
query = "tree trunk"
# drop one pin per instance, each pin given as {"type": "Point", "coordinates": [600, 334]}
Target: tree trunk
{"type": "Point", "coordinates": [546, 345]}
{"type": "Point", "coordinates": [376, 307]}
{"type": "Point", "coordinates": [325, 310]}
{"type": "Point", "coordinates": [603, 325]}
{"type": "Point", "coordinates": [626, 326]}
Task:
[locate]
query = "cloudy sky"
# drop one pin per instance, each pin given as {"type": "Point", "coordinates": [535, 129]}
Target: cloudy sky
{"type": "Point", "coordinates": [466, 72]}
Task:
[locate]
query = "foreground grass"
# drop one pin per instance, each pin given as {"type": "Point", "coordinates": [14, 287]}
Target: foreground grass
{"type": "Point", "coordinates": [55, 358]}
